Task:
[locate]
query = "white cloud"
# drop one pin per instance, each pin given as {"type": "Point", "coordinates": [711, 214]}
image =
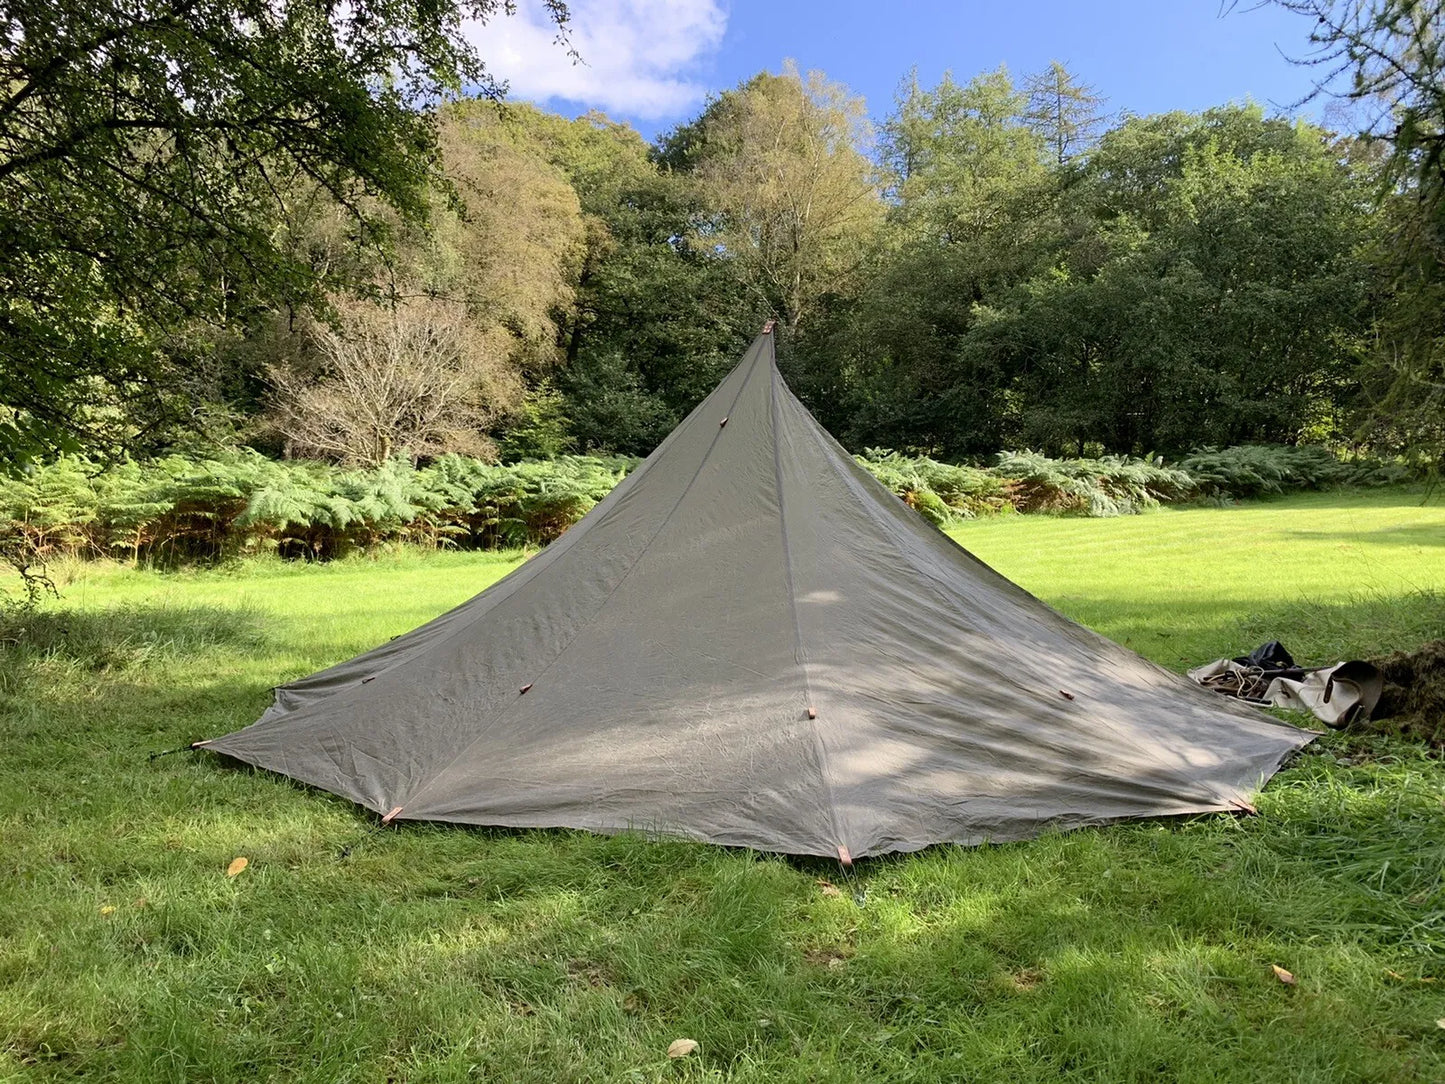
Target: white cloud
{"type": "Point", "coordinates": [637, 56]}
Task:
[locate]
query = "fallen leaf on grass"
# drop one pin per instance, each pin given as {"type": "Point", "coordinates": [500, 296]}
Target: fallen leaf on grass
{"type": "Point", "coordinates": [107, 910]}
{"type": "Point", "coordinates": [828, 888]}
{"type": "Point", "coordinates": [681, 1048]}
{"type": "Point", "coordinates": [236, 866]}
{"type": "Point", "coordinates": [1440, 1023]}
{"type": "Point", "coordinates": [1284, 976]}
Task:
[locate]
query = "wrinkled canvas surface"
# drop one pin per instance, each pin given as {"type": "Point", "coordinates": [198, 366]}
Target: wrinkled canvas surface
{"type": "Point", "coordinates": [675, 639]}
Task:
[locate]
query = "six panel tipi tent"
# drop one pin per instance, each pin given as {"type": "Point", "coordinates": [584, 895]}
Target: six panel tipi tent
{"type": "Point", "coordinates": [752, 642]}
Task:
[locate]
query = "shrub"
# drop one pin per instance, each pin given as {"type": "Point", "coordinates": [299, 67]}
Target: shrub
{"type": "Point", "coordinates": [520, 503]}
{"type": "Point", "coordinates": [1108, 486]}
{"type": "Point", "coordinates": [1251, 470]}
{"type": "Point", "coordinates": [1257, 470]}
{"type": "Point", "coordinates": [179, 509]}
{"type": "Point", "coordinates": [941, 492]}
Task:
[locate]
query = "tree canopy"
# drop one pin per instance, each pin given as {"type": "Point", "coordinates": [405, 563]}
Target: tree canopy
{"type": "Point", "coordinates": [155, 156]}
{"type": "Point", "coordinates": [293, 223]}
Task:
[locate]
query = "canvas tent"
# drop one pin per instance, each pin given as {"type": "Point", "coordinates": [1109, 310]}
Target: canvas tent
{"type": "Point", "coordinates": [752, 642]}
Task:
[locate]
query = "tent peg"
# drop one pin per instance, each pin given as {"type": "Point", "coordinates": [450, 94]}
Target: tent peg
{"type": "Point", "coordinates": [391, 816]}
{"type": "Point", "coordinates": [844, 858]}
{"type": "Point", "coordinates": [523, 690]}
{"type": "Point", "coordinates": [812, 712]}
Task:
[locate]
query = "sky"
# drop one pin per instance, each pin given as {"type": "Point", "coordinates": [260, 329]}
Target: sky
{"type": "Point", "coordinates": [654, 62]}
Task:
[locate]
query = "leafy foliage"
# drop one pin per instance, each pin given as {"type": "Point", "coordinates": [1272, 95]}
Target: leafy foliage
{"type": "Point", "coordinates": [540, 429]}
{"type": "Point", "coordinates": [1029, 482]}
{"type": "Point", "coordinates": [179, 509]}
{"type": "Point", "coordinates": [780, 163]}
{"type": "Point", "coordinates": [1386, 58]}
{"type": "Point", "coordinates": [157, 157]}
{"type": "Point", "coordinates": [997, 272]}
{"type": "Point", "coordinates": [940, 492]}
{"type": "Point", "coordinates": [1253, 470]}
{"type": "Point", "coordinates": [1196, 278]}
{"type": "Point", "coordinates": [1111, 485]}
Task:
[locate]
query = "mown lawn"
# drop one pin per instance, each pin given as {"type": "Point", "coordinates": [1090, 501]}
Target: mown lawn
{"type": "Point", "coordinates": [1139, 952]}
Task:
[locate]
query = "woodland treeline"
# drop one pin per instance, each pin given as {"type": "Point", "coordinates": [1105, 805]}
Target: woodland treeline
{"type": "Point", "coordinates": [993, 262]}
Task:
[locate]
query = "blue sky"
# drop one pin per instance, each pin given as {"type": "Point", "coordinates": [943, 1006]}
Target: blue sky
{"type": "Point", "coordinates": [653, 62]}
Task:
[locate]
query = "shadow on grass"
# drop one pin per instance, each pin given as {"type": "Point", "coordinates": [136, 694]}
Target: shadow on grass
{"type": "Point", "coordinates": [1185, 633]}
{"type": "Point", "coordinates": [47, 655]}
{"type": "Point", "coordinates": [1404, 534]}
{"type": "Point", "coordinates": [125, 636]}
{"type": "Point", "coordinates": [1128, 954]}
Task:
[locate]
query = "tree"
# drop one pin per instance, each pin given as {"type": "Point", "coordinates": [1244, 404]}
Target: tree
{"type": "Point", "coordinates": [540, 429]}
{"type": "Point", "coordinates": [952, 152]}
{"type": "Point", "coordinates": [659, 314]}
{"type": "Point", "coordinates": [153, 154]}
{"type": "Point", "coordinates": [1066, 113]}
{"type": "Point", "coordinates": [473, 302]}
{"type": "Point", "coordinates": [1390, 56]}
{"type": "Point", "coordinates": [795, 199]}
{"type": "Point", "coordinates": [1218, 302]}
{"type": "Point", "coordinates": [972, 212]}
{"type": "Point", "coordinates": [413, 378]}
{"type": "Point", "coordinates": [511, 247]}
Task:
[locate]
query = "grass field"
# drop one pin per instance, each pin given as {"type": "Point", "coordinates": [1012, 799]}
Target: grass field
{"type": "Point", "coordinates": [419, 953]}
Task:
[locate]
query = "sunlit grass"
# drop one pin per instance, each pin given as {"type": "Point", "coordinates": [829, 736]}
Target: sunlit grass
{"type": "Point", "coordinates": [418, 953]}
{"type": "Point", "coordinates": [1331, 574]}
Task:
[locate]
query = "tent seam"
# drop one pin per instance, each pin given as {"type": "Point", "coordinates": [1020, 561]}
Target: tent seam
{"type": "Point", "coordinates": [499, 716]}
{"type": "Point", "coordinates": [799, 653]}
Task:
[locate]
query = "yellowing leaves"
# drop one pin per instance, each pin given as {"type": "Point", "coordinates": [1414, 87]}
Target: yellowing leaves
{"type": "Point", "coordinates": [1284, 976]}
{"type": "Point", "coordinates": [681, 1048]}
{"type": "Point", "coordinates": [236, 866]}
